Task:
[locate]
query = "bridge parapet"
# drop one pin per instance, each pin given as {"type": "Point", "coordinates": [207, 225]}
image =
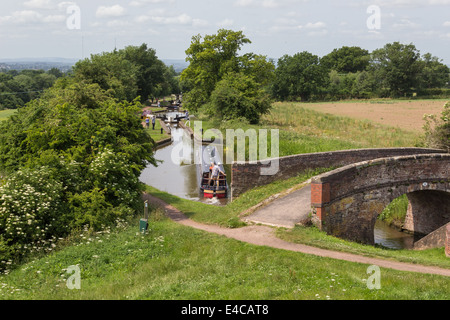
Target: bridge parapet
{"type": "Point", "coordinates": [347, 201]}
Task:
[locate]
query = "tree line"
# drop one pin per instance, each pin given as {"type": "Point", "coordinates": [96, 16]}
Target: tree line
{"type": "Point", "coordinates": [132, 72]}
{"type": "Point", "coordinates": [17, 88]}
{"type": "Point", "coordinates": [226, 85]}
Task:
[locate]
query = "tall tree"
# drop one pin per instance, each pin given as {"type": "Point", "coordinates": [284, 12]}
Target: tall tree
{"type": "Point", "coordinates": [212, 57]}
{"type": "Point", "coordinates": [300, 75]}
{"type": "Point", "coordinates": [396, 67]}
{"type": "Point", "coordinates": [434, 74]}
{"type": "Point", "coordinates": [347, 59]}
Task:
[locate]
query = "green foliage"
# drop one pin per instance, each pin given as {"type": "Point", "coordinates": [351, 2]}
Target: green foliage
{"type": "Point", "coordinates": [215, 58]}
{"type": "Point", "coordinates": [346, 60]}
{"type": "Point", "coordinates": [128, 73]}
{"type": "Point", "coordinates": [300, 75]}
{"type": "Point", "coordinates": [18, 88]}
{"type": "Point", "coordinates": [239, 96]}
{"type": "Point", "coordinates": [31, 207]}
{"type": "Point", "coordinates": [437, 130]}
{"type": "Point", "coordinates": [75, 155]}
{"type": "Point", "coordinates": [396, 67]}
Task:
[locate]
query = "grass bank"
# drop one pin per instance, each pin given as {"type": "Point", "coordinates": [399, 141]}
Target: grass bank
{"type": "Point", "coordinates": [173, 262]}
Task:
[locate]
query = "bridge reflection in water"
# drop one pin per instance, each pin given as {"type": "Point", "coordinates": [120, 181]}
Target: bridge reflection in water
{"type": "Point", "coordinates": [389, 237]}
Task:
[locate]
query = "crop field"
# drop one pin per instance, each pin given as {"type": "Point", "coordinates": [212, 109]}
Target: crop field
{"type": "Point", "coordinates": [404, 114]}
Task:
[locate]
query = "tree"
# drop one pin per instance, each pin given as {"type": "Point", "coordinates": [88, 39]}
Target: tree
{"type": "Point", "coordinates": [238, 95]}
{"type": "Point", "coordinates": [129, 73]}
{"type": "Point", "coordinates": [396, 67]}
{"type": "Point", "coordinates": [111, 72]}
{"type": "Point", "coordinates": [434, 74]}
{"type": "Point", "coordinates": [151, 72]}
{"type": "Point", "coordinates": [213, 57]}
{"type": "Point", "coordinates": [300, 75]}
{"type": "Point", "coordinates": [346, 60]}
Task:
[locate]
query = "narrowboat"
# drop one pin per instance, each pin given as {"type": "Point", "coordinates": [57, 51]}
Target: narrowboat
{"type": "Point", "coordinates": [210, 188]}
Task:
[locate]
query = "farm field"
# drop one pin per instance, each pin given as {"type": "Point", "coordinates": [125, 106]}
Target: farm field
{"type": "Point", "coordinates": [403, 114]}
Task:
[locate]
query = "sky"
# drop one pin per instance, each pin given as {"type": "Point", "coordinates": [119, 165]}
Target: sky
{"type": "Point", "coordinates": [77, 29]}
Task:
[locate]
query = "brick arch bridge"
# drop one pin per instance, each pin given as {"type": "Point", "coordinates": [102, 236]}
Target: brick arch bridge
{"type": "Point", "coordinates": [346, 202]}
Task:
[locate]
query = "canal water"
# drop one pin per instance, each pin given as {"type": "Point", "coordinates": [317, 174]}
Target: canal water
{"type": "Point", "coordinates": [177, 175]}
{"type": "Point", "coordinates": [389, 237]}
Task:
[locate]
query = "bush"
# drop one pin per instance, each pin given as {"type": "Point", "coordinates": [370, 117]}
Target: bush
{"type": "Point", "coordinates": [31, 208]}
{"type": "Point", "coordinates": [437, 130]}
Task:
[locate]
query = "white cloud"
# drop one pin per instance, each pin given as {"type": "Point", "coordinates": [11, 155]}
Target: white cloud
{"type": "Point", "coordinates": [38, 4]}
{"type": "Point", "coordinates": [225, 23]}
{"type": "Point", "coordinates": [446, 24]}
{"type": "Point", "coordinates": [108, 12]}
{"type": "Point", "coordinates": [405, 23]}
{"type": "Point", "coordinates": [140, 3]}
{"type": "Point", "coordinates": [22, 17]}
{"type": "Point", "coordinates": [28, 17]}
{"type": "Point", "coordinates": [316, 25]}
{"type": "Point", "coordinates": [180, 19]}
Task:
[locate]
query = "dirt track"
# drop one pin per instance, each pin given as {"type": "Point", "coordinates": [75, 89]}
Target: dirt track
{"type": "Point", "coordinates": [264, 236]}
{"type": "Point", "coordinates": [407, 115]}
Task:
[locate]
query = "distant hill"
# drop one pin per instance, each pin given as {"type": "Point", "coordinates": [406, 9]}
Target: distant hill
{"type": "Point", "coordinates": [37, 64]}
{"type": "Point", "coordinates": [178, 64]}
{"type": "Point", "coordinates": [66, 64]}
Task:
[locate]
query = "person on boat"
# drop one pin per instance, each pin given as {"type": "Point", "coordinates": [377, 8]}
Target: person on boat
{"type": "Point", "coordinates": [211, 168]}
{"type": "Point", "coordinates": [215, 174]}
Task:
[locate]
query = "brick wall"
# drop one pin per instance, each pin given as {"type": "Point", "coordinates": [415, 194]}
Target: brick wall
{"type": "Point", "coordinates": [247, 176]}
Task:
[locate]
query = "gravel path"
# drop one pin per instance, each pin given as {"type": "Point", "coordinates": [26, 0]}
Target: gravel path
{"type": "Point", "coordinates": [264, 236]}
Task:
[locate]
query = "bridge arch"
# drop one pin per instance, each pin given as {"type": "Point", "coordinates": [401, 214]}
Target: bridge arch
{"type": "Point", "coordinates": [346, 202]}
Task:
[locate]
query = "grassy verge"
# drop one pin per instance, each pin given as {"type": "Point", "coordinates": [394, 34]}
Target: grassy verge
{"type": "Point", "coordinates": [156, 134]}
{"type": "Point", "coordinates": [173, 262]}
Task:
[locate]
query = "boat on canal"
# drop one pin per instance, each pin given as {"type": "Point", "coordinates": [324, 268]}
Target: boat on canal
{"type": "Point", "coordinates": [211, 188]}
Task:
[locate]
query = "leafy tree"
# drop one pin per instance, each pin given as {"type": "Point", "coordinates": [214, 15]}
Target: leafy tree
{"type": "Point", "coordinates": [212, 58]}
{"type": "Point", "coordinates": [238, 95]}
{"type": "Point", "coordinates": [396, 68]}
{"type": "Point", "coordinates": [79, 153]}
{"type": "Point", "coordinates": [434, 74]}
{"type": "Point", "coordinates": [151, 72]}
{"type": "Point", "coordinates": [111, 72]}
{"type": "Point", "coordinates": [300, 75]}
{"type": "Point", "coordinates": [346, 60]}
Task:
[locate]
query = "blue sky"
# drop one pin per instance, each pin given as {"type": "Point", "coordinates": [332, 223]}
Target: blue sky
{"type": "Point", "coordinates": [39, 28]}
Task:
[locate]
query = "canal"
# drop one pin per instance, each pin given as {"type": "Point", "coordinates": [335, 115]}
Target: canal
{"type": "Point", "coordinates": [177, 174]}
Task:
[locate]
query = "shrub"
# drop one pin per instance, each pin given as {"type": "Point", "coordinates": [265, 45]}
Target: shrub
{"type": "Point", "coordinates": [437, 130]}
{"type": "Point", "coordinates": [31, 209]}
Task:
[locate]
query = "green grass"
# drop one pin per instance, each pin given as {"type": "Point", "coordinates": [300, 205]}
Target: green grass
{"type": "Point", "coordinates": [352, 132]}
{"type": "Point", "coordinates": [156, 134]}
{"type": "Point", "coordinates": [5, 114]}
{"type": "Point", "coordinates": [173, 262]}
